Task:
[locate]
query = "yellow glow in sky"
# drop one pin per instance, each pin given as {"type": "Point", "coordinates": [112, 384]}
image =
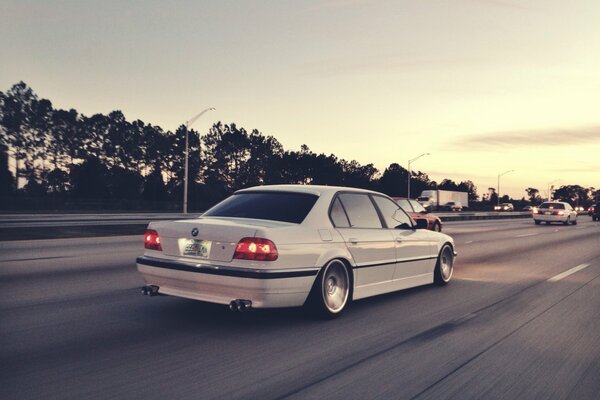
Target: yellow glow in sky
{"type": "Point", "coordinates": [483, 85]}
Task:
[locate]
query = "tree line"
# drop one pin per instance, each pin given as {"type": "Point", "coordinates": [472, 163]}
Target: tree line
{"type": "Point", "coordinates": [63, 154]}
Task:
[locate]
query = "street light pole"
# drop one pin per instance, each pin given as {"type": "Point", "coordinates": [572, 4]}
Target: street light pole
{"type": "Point", "coordinates": [504, 173]}
{"type": "Point", "coordinates": [410, 171]}
{"type": "Point", "coordinates": [187, 148]}
{"type": "Point", "coordinates": [550, 188]}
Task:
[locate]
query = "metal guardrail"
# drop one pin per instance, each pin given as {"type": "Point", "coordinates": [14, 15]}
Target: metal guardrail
{"type": "Point", "coordinates": [470, 215]}
{"type": "Point", "coordinates": [50, 220]}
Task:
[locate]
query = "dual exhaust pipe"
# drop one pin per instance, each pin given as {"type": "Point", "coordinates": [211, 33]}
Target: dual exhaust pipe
{"type": "Point", "coordinates": [240, 305]}
{"type": "Point", "coordinates": [150, 290]}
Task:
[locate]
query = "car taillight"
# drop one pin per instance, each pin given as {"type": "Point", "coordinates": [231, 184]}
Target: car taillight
{"type": "Point", "coordinates": [258, 249]}
{"type": "Point", "coordinates": [152, 240]}
{"type": "Point", "coordinates": [561, 213]}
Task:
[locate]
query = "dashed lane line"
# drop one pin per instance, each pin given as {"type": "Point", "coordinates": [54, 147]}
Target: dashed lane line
{"type": "Point", "coordinates": [558, 277]}
{"type": "Point", "coordinates": [527, 234]}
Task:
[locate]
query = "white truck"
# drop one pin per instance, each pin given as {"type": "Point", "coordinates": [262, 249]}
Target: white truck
{"type": "Point", "coordinates": [444, 200]}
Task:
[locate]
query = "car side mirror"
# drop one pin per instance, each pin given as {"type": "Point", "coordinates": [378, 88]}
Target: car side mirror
{"type": "Point", "coordinates": [421, 223]}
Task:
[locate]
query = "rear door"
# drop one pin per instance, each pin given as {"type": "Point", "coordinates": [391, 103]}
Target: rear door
{"type": "Point", "coordinates": [371, 245]}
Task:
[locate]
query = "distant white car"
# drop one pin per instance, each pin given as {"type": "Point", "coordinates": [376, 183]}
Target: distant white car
{"type": "Point", "coordinates": [555, 211]}
{"type": "Point", "coordinates": [290, 245]}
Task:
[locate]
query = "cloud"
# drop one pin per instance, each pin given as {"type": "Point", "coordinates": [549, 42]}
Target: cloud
{"type": "Point", "coordinates": [542, 137]}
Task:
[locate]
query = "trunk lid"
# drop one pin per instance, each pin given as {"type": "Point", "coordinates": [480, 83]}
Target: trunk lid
{"type": "Point", "coordinates": [215, 238]}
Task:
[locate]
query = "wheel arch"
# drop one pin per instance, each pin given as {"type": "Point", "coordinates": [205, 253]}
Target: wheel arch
{"type": "Point", "coordinates": [345, 259]}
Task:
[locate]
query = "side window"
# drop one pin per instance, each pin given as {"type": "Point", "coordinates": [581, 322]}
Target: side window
{"type": "Point", "coordinates": [417, 206]}
{"type": "Point", "coordinates": [392, 214]}
{"type": "Point", "coordinates": [404, 204]}
{"type": "Point", "coordinates": [338, 215]}
{"type": "Point", "coordinates": [360, 210]}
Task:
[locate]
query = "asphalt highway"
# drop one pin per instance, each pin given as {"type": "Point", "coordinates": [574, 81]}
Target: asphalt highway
{"type": "Point", "coordinates": [520, 320]}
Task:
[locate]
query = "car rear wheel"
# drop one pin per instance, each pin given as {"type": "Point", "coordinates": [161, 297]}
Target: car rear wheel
{"type": "Point", "coordinates": [575, 222]}
{"type": "Point", "coordinates": [331, 292]}
{"type": "Point", "coordinates": [568, 221]}
{"type": "Point", "coordinates": [537, 222]}
{"type": "Point", "coordinates": [445, 266]}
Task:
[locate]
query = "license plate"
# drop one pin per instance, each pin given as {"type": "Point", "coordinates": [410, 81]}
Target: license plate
{"type": "Point", "coordinates": [548, 213]}
{"type": "Point", "coordinates": [197, 248]}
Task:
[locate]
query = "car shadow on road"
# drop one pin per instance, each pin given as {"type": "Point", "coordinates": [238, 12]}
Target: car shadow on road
{"type": "Point", "coordinates": [191, 314]}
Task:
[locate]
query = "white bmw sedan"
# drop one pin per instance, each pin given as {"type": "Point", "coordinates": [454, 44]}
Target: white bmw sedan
{"type": "Point", "coordinates": [294, 245]}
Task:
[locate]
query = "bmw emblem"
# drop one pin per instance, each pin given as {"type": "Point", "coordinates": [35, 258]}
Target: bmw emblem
{"type": "Point", "coordinates": [195, 232]}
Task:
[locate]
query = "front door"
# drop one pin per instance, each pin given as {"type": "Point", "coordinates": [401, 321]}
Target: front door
{"type": "Point", "coordinates": [372, 246]}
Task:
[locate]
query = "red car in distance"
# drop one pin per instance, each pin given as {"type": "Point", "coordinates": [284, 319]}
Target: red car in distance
{"type": "Point", "coordinates": [417, 211]}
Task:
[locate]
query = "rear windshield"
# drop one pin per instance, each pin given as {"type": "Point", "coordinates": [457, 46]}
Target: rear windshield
{"type": "Point", "coordinates": [558, 206]}
{"type": "Point", "coordinates": [273, 206]}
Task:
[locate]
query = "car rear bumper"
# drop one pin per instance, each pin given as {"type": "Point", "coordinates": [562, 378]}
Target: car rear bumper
{"type": "Point", "coordinates": [222, 284]}
{"type": "Point", "coordinates": [550, 218]}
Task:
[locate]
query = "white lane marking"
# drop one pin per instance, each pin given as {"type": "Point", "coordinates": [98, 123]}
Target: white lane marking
{"type": "Point", "coordinates": [527, 234]}
{"type": "Point", "coordinates": [568, 272]}
{"type": "Point", "coordinates": [469, 242]}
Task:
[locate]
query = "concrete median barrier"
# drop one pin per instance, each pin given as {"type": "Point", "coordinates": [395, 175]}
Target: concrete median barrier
{"type": "Point", "coordinates": [51, 226]}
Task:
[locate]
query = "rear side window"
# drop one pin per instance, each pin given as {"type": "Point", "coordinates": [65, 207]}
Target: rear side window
{"type": "Point", "coordinates": [360, 210]}
{"type": "Point", "coordinates": [338, 215]}
{"type": "Point", "coordinates": [273, 206]}
{"type": "Point", "coordinates": [556, 206]}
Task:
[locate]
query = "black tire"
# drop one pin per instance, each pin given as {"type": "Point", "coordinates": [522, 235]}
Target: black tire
{"type": "Point", "coordinates": [547, 222]}
{"type": "Point", "coordinates": [537, 222]}
{"type": "Point", "coordinates": [444, 266]}
{"type": "Point", "coordinates": [568, 221]}
{"type": "Point", "coordinates": [575, 222]}
{"type": "Point", "coordinates": [437, 227]}
{"type": "Point", "coordinates": [332, 291]}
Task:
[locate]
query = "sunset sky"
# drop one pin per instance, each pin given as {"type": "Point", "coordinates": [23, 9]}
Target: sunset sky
{"type": "Point", "coordinates": [485, 86]}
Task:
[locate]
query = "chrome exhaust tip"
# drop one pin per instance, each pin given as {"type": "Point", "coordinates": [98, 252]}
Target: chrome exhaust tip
{"type": "Point", "coordinates": [240, 305]}
{"type": "Point", "coordinates": [150, 290]}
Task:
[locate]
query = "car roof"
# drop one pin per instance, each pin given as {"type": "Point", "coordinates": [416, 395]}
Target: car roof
{"type": "Point", "coordinates": [310, 189]}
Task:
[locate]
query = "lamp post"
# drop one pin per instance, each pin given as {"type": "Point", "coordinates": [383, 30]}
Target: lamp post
{"type": "Point", "coordinates": [187, 145]}
{"type": "Point", "coordinates": [550, 188]}
{"type": "Point", "coordinates": [504, 173]}
{"type": "Point", "coordinates": [410, 172]}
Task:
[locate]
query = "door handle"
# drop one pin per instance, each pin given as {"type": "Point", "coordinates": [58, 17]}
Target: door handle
{"type": "Point", "coordinates": [353, 240]}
